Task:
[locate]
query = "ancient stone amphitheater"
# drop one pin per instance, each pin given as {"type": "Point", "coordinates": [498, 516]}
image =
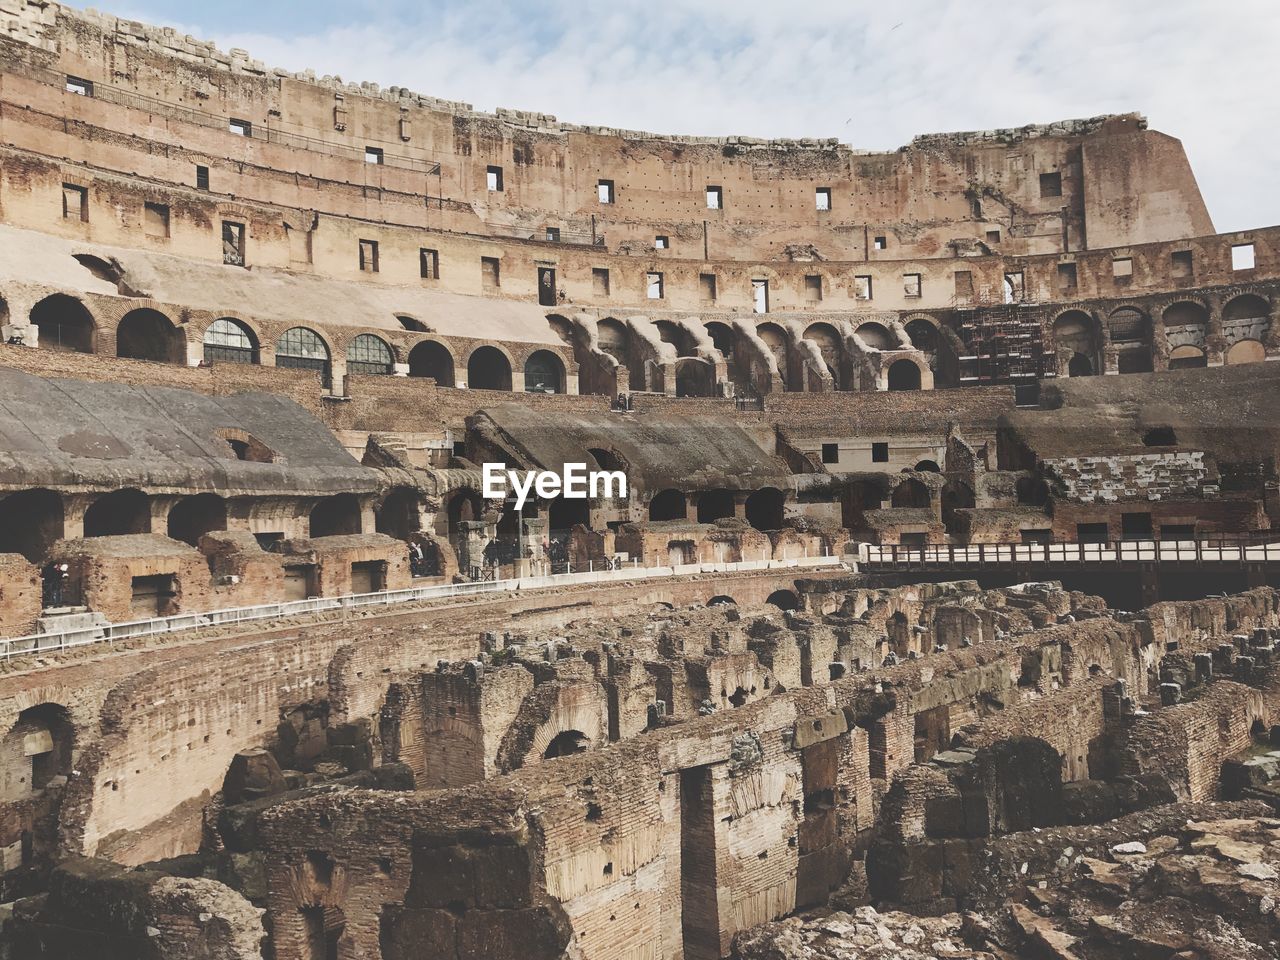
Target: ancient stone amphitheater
{"type": "Point", "coordinates": [939, 617]}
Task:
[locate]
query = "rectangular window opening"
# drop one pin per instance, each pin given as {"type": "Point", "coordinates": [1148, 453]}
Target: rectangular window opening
{"type": "Point", "coordinates": [1051, 184]}
{"type": "Point", "coordinates": [879, 243]}
{"type": "Point", "coordinates": [1015, 287]}
{"type": "Point", "coordinates": [79, 86]}
{"type": "Point", "coordinates": [822, 198]}
{"type": "Point", "coordinates": [373, 155]}
{"type": "Point", "coordinates": [831, 453]}
{"type": "Point", "coordinates": [715, 198]}
{"type": "Point", "coordinates": [493, 178]}
{"type": "Point", "coordinates": [429, 264]}
{"type": "Point", "coordinates": [155, 220]}
{"type": "Point", "coordinates": [661, 243]}
{"type": "Point", "coordinates": [202, 178]}
{"type": "Point", "coordinates": [1242, 256]}
{"type": "Point", "coordinates": [369, 256]}
{"type": "Point", "coordinates": [862, 288]}
{"type": "Point", "coordinates": [653, 286]}
{"type": "Point", "coordinates": [760, 296]}
{"type": "Point", "coordinates": [75, 202]}
{"type": "Point", "coordinates": [813, 287]}
{"type": "Point", "coordinates": [1068, 279]}
{"type": "Point", "coordinates": [707, 287]}
{"type": "Point", "coordinates": [964, 284]}
{"type": "Point", "coordinates": [553, 234]}
{"type": "Point", "coordinates": [880, 452]}
{"type": "Point", "coordinates": [604, 191]}
{"type": "Point", "coordinates": [1181, 263]}
{"type": "Point", "coordinates": [241, 128]}
{"type": "Point", "coordinates": [490, 274]}
{"type": "Point", "coordinates": [600, 281]}
{"type": "Point", "coordinates": [993, 236]}
{"type": "Point", "coordinates": [233, 243]}
{"type": "Point", "coordinates": [1122, 270]}
{"type": "Point", "coordinates": [911, 284]}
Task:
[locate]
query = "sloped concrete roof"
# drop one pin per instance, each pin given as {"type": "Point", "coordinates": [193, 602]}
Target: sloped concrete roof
{"type": "Point", "coordinates": [79, 434]}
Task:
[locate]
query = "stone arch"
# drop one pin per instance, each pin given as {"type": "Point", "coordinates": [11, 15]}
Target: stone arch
{"type": "Point", "coordinates": [118, 513]}
{"type": "Point", "coordinates": [922, 331]}
{"type": "Point", "coordinates": [411, 323]}
{"type": "Point", "coordinates": [775, 339]}
{"type": "Point", "coordinates": [715, 505]}
{"type": "Point", "coordinates": [1187, 356]}
{"type": "Point", "coordinates": [369, 354]}
{"type": "Point", "coordinates": [611, 335]}
{"type": "Point", "coordinates": [461, 506]}
{"type": "Point", "coordinates": [64, 323]}
{"type": "Point", "coordinates": [831, 345]}
{"type": "Point", "coordinates": [1078, 332]}
{"type": "Point", "coordinates": [147, 334]}
{"type": "Point", "coordinates": [668, 505]}
{"type": "Point", "coordinates": [1131, 335]}
{"type": "Point", "coordinates": [673, 333]}
{"type": "Point", "coordinates": [489, 368]}
{"type": "Point", "coordinates": [722, 600]}
{"type": "Point", "coordinates": [721, 335]}
{"type": "Point", "coordinates": [544, 373]}
{"type": "Point", "coordinates": [875, 335]}
{"type": "Point", "coordinates": [38, 747]}
{"type": "Point", "coordinates": [192, 517]}
{"type": "Point", "coordinates": [336, 515]}
{"type": "Point", "coordinates": [566, 743]}
{"type": "Point", "coordinates": [230, 340]}
{"type": "Point", "coordinates": [1246, 317]}
{"type": "Point", "coordinates": [912, 493]}
{"type": "Point", "coordinates": [301, 348]}
{"type": "Point", "coordinates": [927, 466]}
{"type": "Point", "coordinates": [397, 515]}
{"type": "Point", "coordinates": [783, 600]}
{"type": "Point", "coordinates": [903, 374]}
{"type": "Point", "coordinates": [561, 326]}
{"type": "Point", "coordinates": [434, 359]}
{"type": "Point", "coordinates": [764, 508]}
{"type": "Point", "coordinates": [31, 522]}
{"type": "Point", "coordinates": [695, 377]}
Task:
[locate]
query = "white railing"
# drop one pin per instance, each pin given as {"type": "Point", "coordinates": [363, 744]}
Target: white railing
{"type": "Point", "coordinates": [106, 633]}
{"type": "Point", "coordinates": [1124, 551]}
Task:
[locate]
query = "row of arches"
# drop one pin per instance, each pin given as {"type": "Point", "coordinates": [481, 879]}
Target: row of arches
{"type": "Point", "coordinates": [65, 324]}
{"type": "Point", "coordinates": [763, 508]}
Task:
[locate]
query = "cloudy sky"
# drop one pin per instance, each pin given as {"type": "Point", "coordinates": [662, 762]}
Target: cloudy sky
{"type": "Point", "coordinates": [871, 74]}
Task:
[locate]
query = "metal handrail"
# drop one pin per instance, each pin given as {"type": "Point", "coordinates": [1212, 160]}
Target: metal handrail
{"type": "Point", "coordinates": [1247, 549]}
{"type": "Point", "coordinates": [106, 633]}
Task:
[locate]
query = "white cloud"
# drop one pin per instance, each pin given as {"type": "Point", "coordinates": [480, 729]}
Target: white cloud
{"type": "Point", "coordinates": [873, 75]}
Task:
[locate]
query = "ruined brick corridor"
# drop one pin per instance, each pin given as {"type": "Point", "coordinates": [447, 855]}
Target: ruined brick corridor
{"type": "Point", "coordinates": [827, 697]}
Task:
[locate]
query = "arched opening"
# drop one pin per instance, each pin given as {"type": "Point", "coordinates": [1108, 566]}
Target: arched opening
{"type": "Point", "coordinates": [432, 359]}
{"type": "Point", "coordinates": [714, 505]}
{"type": "Point", "coordinates": [694, 378]}
{"type": "Point", "coordinates": [336, 515]}
{"type": "Point", "coordinates": [607, 459]}
{"type": "Point", "coordinates": [675, 335]}
{"type": "Point", "coordinates": [681, 553]}
{"type": "Point", "coordinates": [1080, 366]}
{"type": "Point", "coordinates": [860, 495]}
{"type": "Point", "coordinates": [1246, 351]}
{"type": "Point", "coordinates": [31, 521]}
{"type": "Point", "coordinates": [911, 493]}
{"type": "Point", "coordinates": [955, 496]}
{"type": "Point", "coordinates": [875, 335]}
{"type": "Point", "coordinates": [783, 600]}
{"type": "Point", "coordinates": [543, 373]}
{"type": "Point", "coordinates": [722, 336]}
{"type": "Point", "coordinates": [827, 339]}
{"type": "Point", "coordinates": [739, 695]}
{"type": "Point", "coordinates": [398, 516]}
{"type": "Point", "coordinates": [192, 517]}
{"type": "Point", "coordinates": [564, 514]}
{"type": "Point", "coordinates": [764, 509]}
{"type": "Point", "coordinates": [1131, 334]}
{"type": "Point", "coordinates": [118, 514]}
{"type": "Point", "coordinates": [147, 334]}
{"type": "Point", "coordinates": [1185, 322]}
{"type": "Point", "coordinates": [1032, 491]}
{"type": "Point", "coordinates": [64, 323]}
{"type": "Point", "coordinates": [611, 336]}
{"type": "Point", "coordinates": [898, 630]}
{"type": "Point", "coordinates": [927, 466]}
{"type": "Point", "coordinates": [229, 341]}
{"type": "Point", "coordinates": [720, 600]}
{"type": "Point", "coordinates": [463, 506]}
{"type": "Point", "coordinates": [38, 748]}
{"type": "Point", "coordinates": [1244, 316]}
{"type": "Point", "coordinates": [923, 335]}
{"type": "Point", "coordinates": [1187, 357]}
{"type": "Point", "coordinates": [370, 355]}
{"type": "Point", "coordinates": [566, 743]}
{"type": "Point", "coordinates": [412, 324]}
{"type": "Point", "coordinates": [668, 505]}
{"type": "Point", "coordinates": [488, 369]}
{"type": "Point", "coordinates": [775, 339]}
{"type": "Point", "coordinates": [300, 348]}
{"type": "Point", "coordinates": [904, 375]}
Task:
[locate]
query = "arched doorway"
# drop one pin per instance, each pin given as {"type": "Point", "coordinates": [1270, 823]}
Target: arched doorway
{"type": "Point", "coordinates": [828, 341]}
{"type": "Point", "coordinates": [397, 516]}
{"type": "Point", "coordinates": [910, 493]}
{"type": "Point", "coordinates": [432, 359]}
{"type": "Point", "coordinates": [764, 509]}
{"type": "Point", "coordinates": [1131, 334]}
{"type": "Point", "coordinates": [694, 378]}
{"type": "Point", "coordinates": [1077, 331]}
{"type": "Point", "coordinates": [904, 375]}
{"type": "Point", "coordinates": [488, 369]}
{"type": "Point", "coordinates": [784, 600]}
{"type": "Point", "coordinates": [875, 335]}
{"type": "Point", "coordinates": [300, 348]}
{"type": "Point", "coordinates": [370, 355]}
{"type": "Point", "coordinates": [566, 743]}
{"type": "Point", "coordinates": [714, 505]}
{"type": "Point", "coordinates": [336, 515]}
{"type": "Point", "coordinates": [146, 334]}
{"type": "Point", "coordinates": [117, 514]}
{"type": "Point", "coordinates": [543, 373]}
{"type": "Point", "coordinates": [192, 517]}
{"type": "Point", "coordinates": [31, 521]}
{"type": "Point", "coordinates": [923, 335]}
{"type": "Point", "coordinates": [229, 341]}
{"type": "Point", "coordinates": [64, 323]}
{"type": "Point", "coordinates": [668, 505]}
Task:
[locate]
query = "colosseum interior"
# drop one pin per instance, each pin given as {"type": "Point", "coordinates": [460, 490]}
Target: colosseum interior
{"type": "Point", "coordinates": [939, 617]}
